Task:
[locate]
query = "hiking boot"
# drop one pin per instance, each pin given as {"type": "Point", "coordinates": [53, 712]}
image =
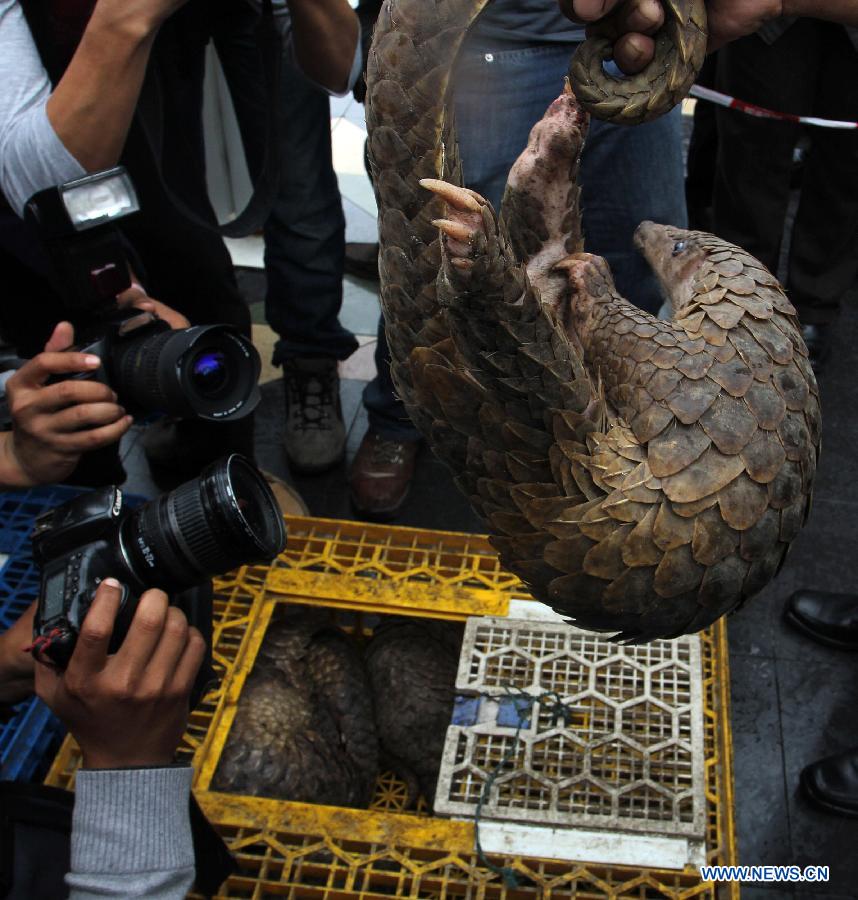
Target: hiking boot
{"type": "Point", "coordinates": [315, 435]}
{"type": "Point", "coordinates": [381, 474]}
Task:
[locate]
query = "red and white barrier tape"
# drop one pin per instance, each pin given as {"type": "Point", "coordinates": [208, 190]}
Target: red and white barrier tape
{"type": "Point", "coordinates": [704, 93]}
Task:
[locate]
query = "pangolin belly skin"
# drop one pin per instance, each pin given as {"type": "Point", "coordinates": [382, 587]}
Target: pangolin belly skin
{"type": "Point", "coordinates": [643, 477]}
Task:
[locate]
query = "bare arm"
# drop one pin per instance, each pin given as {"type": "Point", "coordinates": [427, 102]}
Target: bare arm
{"type": "Point", "coordinates": [92, 106]}
{"type": "Point", "coordinates": [843, 11]}
{"type": "Point", "coordinates": [728, 20]}
{"type": "Point", "coordinates": [47, 138]}
{"type": "Point", "coordinates": [325, 34]}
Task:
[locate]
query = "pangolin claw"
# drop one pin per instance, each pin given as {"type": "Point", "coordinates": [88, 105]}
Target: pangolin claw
{"type": "Point", "coordinates": [460, 197]}
{"type": "Point", "coordinates": [456, 230]}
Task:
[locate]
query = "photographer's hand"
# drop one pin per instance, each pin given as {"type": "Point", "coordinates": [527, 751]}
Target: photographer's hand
{"type": "Point", "coordinates": [633, 21]}
{"type": "Point", "coordinates": [53, 424]}
{"type": "Point", "coordinates": [129, 709]}
{"type": "Point", "coordinates": [137, 298]}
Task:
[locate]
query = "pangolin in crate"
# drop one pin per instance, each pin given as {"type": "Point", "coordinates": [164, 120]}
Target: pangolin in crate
{"type": "Point", "coordinates": [412, 665]}
{"type": "Point", "coordinates": [304, 728]}
{"type": "Point", "coordinates": [643, 477]}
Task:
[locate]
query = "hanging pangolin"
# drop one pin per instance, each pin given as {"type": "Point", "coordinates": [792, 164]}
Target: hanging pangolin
{"type": "Point", "coordinates": [643, 477]}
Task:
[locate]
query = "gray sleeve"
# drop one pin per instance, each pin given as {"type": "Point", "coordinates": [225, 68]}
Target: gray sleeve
{"type": "Point", "coordinates": [131, 834]}
{"type": "Point", "coordinates": [32, 157]}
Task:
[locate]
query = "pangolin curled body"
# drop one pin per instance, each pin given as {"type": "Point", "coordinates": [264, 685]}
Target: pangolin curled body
{"type": "Point", "coordinates": [642, 476]}
{"type": "Point", "coordinates": [304, 727]}
{"type": "Point", "coordinates": [412, 665]}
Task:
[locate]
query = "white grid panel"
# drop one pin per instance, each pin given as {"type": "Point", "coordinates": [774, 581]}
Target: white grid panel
{"type": "Point", "coordinates": [629, 755]}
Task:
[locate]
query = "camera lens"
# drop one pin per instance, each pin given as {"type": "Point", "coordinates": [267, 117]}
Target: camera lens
{"type": "Point", "coordinates": [207, 372]}
{"type": "Point", "coordinates": [225, 518]}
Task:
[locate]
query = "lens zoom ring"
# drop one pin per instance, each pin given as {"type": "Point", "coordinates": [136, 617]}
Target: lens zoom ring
{"type": "Point", "coordinates": [140, 370]}
{"type": "Point", "coordinates": [196, 530]}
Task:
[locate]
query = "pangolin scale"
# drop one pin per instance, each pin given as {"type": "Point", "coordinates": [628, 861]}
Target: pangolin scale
{"type": "Point", "coordinates": [412, 665]}
{"type": "Point", "coordinates": [643, 477]}
{"type": "Point", "coordinates": [304, 728]}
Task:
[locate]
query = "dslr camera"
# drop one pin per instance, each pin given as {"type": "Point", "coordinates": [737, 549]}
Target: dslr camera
{"type": "Point", "coordinates": [208, 372]}
{"type": "Point", "coordinates": [226, 517]}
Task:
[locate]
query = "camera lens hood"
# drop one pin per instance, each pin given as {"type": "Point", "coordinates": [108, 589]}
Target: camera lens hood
{"type": "Point", "coordinates": [208, 372]}
{"type": "Point", "coordinates": [225, 518]}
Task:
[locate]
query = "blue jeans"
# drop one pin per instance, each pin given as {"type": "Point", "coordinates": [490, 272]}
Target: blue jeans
{"type": "Point", "coordinates": [385, 411]}
{"type": "Point", "coordinates": [628, 174]}
{"type": "Point", "coordinates": [305, 232]}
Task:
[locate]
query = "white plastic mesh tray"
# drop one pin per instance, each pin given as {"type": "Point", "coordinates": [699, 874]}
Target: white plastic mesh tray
{"type": "Point", "coordinates": [615, 742]}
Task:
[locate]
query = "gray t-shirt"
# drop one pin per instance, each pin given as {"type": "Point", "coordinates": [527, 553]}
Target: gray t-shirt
{"type": "Point", "coordinates": [32, 157]}
{"type": "Point", "coordinates": [522, 22]}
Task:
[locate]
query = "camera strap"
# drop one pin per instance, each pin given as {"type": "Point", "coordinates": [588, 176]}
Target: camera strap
{"type": "Point", "coordinates": [150, 116]}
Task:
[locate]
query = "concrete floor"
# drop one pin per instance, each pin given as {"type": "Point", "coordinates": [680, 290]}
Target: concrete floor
{"type": "Point", "coordinates": [793, 701]}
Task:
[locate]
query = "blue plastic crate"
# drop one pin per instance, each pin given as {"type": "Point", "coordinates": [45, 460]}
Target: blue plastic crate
{"type": "Point", "coordinates": [28, 741]}
{"type": "Point", "coordinates": [18, 511]}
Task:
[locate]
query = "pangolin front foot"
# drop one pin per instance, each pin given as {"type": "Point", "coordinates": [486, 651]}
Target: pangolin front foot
{"type": "Point", "coordinates": [463, 230]}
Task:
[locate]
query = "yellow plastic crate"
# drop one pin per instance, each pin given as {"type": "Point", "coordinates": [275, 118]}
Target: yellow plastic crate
{"type": "Point", "coordinates": [304, 850]}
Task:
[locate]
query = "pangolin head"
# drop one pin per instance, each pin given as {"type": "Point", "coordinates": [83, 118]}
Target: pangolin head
{"type": "Point", "coordinates": [556, 139]}
{"type": "Point", "coordinates": [675, 255]}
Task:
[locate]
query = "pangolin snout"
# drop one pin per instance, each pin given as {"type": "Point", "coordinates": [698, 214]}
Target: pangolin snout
{"type": "Point", "coordinates": [645, 233]}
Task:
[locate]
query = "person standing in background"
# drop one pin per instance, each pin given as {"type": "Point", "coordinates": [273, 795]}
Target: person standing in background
{"type": "Point", "coordinates": [806, 67]}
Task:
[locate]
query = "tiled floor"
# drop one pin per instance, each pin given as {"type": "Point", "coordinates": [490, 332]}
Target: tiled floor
{"type": "Point", "coordinates": [792, 701]}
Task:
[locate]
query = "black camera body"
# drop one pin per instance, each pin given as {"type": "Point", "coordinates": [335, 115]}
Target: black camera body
{"type": "Point", "coordinates": [226, 517]}
{"type": "Point", "coordinates": [77, 545]}
{"type": "Point", "coordinates": [206, 372]}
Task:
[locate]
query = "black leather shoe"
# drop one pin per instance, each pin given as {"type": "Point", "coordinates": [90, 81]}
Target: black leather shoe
{"type": "Point", "coordinates": [831, 619]}
{"type": "Point", "coordinates": [818, 341]}
{"type": "Point", "coordinates": [832, 783]}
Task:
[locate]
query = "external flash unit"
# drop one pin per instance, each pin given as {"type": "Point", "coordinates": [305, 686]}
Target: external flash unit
{"type": "Point", "coordinates": [76, 221]}
{"type": "Point", "coordinates": [98, 199]}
